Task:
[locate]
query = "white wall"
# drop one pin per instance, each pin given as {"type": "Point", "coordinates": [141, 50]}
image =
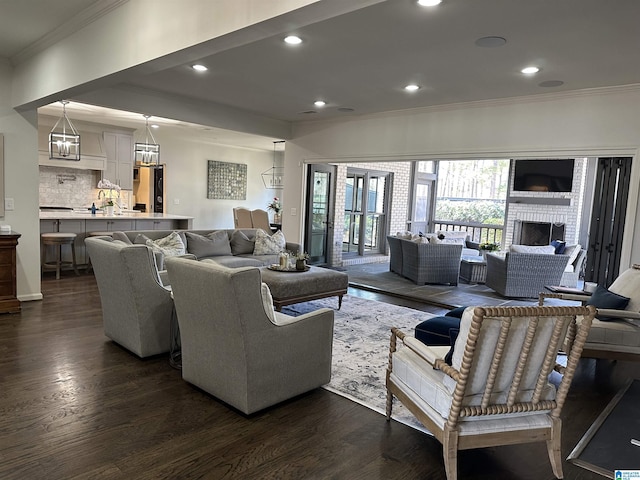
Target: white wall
{"type": "Point", "coordinates": [21, 184]}
{"type": "Point", "coordinates": [186, 179]}
{"type": "Point", "coordinates": [586, 123]}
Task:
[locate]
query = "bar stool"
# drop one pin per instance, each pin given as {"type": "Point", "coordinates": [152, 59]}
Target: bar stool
{"type": "Point", "coordinates": [57, 240]}
{"type": "Point", "coordinates": [96, 234]}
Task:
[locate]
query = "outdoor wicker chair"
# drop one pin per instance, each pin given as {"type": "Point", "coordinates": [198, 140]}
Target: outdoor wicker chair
{"type": "Point", "coordinates": [496, 390]}
{"type": "Point", "coordinates": [431, 263]}
{"type": "Point", "coordinates": [524, 275]}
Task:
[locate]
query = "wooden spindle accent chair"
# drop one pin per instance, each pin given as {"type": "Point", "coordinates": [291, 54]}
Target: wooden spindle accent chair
{"type": "Point", "coordinates": [497, 391]}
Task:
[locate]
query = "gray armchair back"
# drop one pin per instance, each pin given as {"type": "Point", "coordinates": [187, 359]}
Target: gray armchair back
{"type": "Point", "coordinates": [230, 347]}
{"type": "Point", "coordinates": [524, 275]}
{"type": "Point", "coordinates": [136, 308]}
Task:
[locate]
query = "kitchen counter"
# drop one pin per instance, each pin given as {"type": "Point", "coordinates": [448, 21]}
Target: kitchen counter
{"type": "Point", "coordinates": [83, 223]}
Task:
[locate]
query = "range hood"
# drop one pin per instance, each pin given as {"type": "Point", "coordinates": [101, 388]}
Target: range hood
{"type": "Point", "coordinates": [92, 152]}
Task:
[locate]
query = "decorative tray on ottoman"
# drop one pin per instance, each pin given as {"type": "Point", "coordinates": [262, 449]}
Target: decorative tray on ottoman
{"type": "Point", "coordinates": [277, 268]}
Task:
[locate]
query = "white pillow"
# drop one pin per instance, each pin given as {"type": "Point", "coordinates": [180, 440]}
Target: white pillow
{"type": "Point", "coordinates": [269, 244]}
{"type": "Point", "coordinates": [267, 302]}
{"type": "Point", "coordinates": [434, 240]}
{"type": "Point", "coordinates": [458, 238]}
{"type": "Point", "coordinates": [538, 249]}
{"type": "Point", "coordinates": [169, 246]}
{"type": "Point", "coordinates": [421, 240]}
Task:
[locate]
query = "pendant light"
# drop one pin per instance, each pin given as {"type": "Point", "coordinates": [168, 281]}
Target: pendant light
{"type": "Point", "coordinates": [64, 140]}
{"type": "Point", "coordinates": [273, 177]}
{"type": "Point", "coordinates": [147, 152]}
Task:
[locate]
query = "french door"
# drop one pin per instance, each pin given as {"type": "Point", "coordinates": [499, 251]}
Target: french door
{"type": "Point", "coordinates": [320, 212]}
{"type": "Point", "coordinates": [365, 211]}
{"type": "Point", "coordinates": [607, 220]}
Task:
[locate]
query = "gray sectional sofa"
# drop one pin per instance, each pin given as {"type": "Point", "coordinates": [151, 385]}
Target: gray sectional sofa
{"type": "Point", "coordinates": [236, 250]}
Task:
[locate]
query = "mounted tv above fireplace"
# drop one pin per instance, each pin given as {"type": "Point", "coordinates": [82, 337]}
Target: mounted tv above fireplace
{"type": "Point", "coordinates": [549, 175]}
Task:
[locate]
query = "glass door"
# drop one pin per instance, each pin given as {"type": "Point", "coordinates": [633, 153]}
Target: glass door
{"type": "Point", "coordinates": [319, 216]}
{"type": "Point", "coordinates": [366, 204]}
{"type": "Point", "coordinates": [423, 191]}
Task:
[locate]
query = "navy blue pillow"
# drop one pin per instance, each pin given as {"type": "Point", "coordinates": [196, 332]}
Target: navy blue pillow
{"type": "Point", "coordinates": [603, 298]}
{"type": "Point", "coordinates": [560, 246]}
{"type": "Point", "coordinates": [453, 335]}
{"type": "Point", "coordinates": [456, 312]}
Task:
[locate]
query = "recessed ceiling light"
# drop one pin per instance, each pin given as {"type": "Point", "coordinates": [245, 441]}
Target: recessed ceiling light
{"type": "Point", "coordinates": [429, 3]}
{"type": "Point", "coordinates": [293, 40]}
{"type": "Point", "coordinates": [154, 126]}
{"type": "Point", "coordinates": [490, 42]}
{"type": "Point", "coordinates": [319, 103]}
{"type": "Point", "coordinates": [412, 88]}
{"type": "Point", "coordinates": [530, 70]}
{"type": "Point", "coordinates": [199, 68]}
{"type": "Point", "coordinates": [551, 83]}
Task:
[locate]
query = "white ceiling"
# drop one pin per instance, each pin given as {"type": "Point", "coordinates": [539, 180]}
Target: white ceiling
{"type": "Point", "coordinates": [362, 60]}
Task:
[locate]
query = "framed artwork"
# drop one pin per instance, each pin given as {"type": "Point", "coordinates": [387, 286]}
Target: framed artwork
{"type": "Point", "coordinates": [227, 180]}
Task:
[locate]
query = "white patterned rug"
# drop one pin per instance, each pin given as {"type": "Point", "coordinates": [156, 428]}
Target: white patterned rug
{"type": "Point", "coordinates": [362, 329]}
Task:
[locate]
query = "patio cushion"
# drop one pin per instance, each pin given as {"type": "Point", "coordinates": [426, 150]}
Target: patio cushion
{"type": "Point", "coordinates": [539, 249]}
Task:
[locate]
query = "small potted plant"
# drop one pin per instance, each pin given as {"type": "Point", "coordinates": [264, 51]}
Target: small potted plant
{"type": "Point", "coordinates": [488, 247]}
{"type": "Point", "coordinates": [301, 260]}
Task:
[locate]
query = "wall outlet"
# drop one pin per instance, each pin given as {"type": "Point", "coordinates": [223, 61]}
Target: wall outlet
{"type": "Point", "coordinates": [294, 211]}
{"type": "Point", "coordinates": [9, 204]}
{"type": "Point", "coordinates": [176, 201]}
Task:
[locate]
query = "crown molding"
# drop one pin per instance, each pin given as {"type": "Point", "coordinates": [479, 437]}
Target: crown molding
{"type": "Point", "coordinates": [75, 23]}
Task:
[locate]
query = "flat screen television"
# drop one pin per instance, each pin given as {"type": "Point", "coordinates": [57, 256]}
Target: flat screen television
{"type": "Point", "coordinates": [549, 175]}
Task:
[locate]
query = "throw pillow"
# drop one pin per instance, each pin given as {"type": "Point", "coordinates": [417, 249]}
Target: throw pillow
{"type": "Point", "coordinates": [240, 243]}
{"type": "Point", "coordinates": [141, 238]}
{"type": "Point", "coordinates": [603, 298]}
{"type": "Point", "coordinates": [267, 302]}
{"type": "Point", "coordinates": [538, 249]}
{"type": "Point", "coordinates": [170, 246]}
{"type": "Point", "coordinates": [560, 246]}
{"type": "Point", "coordinates": [458, 238]}
{"type": "Point", "coordinates": [434, 240]}
{"type": "Point", "coordinates": [269, 244]}
{"type": "Point", "coordinates": [211, 245]}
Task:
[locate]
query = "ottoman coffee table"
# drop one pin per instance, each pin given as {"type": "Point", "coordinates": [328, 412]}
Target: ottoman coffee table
{"type": "Point", "coordinates": [289, 287]}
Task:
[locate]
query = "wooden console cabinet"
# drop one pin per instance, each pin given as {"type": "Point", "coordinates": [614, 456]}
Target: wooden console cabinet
{"type": "Point", "coordinates": [9, 302]}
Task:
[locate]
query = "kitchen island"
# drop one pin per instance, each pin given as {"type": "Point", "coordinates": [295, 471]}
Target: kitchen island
{"type": "Point", "coordinates": [83, 222]}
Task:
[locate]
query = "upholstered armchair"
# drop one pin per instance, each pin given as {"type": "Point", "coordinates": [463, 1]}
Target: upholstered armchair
{"type": "Point", "coordinates": [136, 306]}
{"type": "Point", "coordinates": [523, 275]}
{"type": "Point", "coordinates": [496, 390]}
{"type": "Point", "coordinates": [618, 336]}
{"type": "Point", "coordinates": [235, 347]}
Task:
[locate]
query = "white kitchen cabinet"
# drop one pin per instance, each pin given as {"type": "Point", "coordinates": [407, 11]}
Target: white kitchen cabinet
{"type": "Point", "coordinates": [156, 224]}
{"type": "Point", "coordinates": [119, 149]}
{"type": "Point", "coordinates": [109, 225]}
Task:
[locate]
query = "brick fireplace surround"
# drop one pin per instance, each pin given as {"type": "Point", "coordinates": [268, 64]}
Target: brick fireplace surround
{"type": "Point", "coordinates": [549, 208]}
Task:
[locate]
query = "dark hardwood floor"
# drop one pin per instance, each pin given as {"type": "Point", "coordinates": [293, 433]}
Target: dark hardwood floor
{"type": "Point", "coordinates": [74, 405]}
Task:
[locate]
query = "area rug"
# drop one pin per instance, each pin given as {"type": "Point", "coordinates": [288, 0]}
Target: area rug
{"type": "Point", "coordinates": [362, 329]}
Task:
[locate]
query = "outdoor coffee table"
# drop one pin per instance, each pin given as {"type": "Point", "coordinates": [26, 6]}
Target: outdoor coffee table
{"type": "Point", "coordinates": [292, 286]}
{"type": "Point", "coordinates": [473, 269]}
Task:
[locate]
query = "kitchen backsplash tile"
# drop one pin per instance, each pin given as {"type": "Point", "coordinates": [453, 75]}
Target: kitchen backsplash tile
{"type": "Point", "coordinates": [70, 187]}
